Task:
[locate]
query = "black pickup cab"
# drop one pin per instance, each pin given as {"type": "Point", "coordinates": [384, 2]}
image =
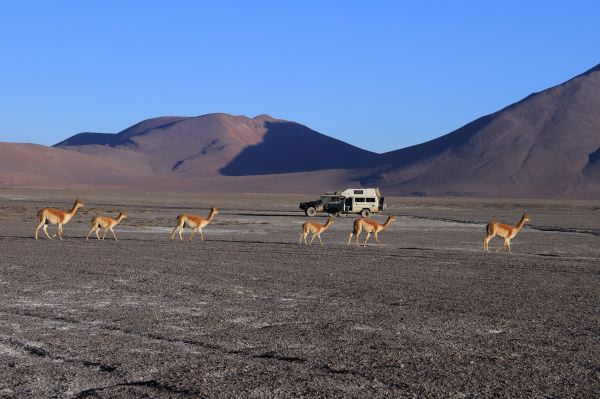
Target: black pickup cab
{"type": "Point", "coordinates": [327, 203]}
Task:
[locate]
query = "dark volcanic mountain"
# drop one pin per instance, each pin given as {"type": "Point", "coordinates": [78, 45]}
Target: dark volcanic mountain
{"type": "Point", "coordinates": [546, 145]}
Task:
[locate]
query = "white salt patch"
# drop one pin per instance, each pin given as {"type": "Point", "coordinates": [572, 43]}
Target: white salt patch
{"type": "Point", "coordinates": [241, 320]}
{"type": "Point", "coordinates": [7, 350]}
{"type": "Point", "coordinates": [366, 328]}
{"type": "Point", "coordinates": [187, 231]}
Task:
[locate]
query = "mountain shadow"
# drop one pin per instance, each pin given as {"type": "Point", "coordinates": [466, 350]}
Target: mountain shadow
{"type": "Point", "coordinates": [289, 147]}
{"type": "Point", "coordinates": [457, 138]}
{"type": "Point", "coordinates": [90, 138]}
{"type": "Point", "coordinates": [123, 137]}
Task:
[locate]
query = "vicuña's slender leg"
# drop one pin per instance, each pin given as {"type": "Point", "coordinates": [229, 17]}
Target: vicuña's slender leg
{"type": "Point", "coordinates": [89, 234]}
{"type": "Point", "coordinates": [350, 238]}
{"type": "Point", "coordinates": [178, 228]}
{"type": "Point", "coordinates": [48, 234]}
{"type": "Point", "coordinates": [486, 241]}
{"type": "Point", "coordinates": [45, 228]}
{"type": "Point", "coordinates": [193, 232]}
{"type": "Point", "coordinates": [508, 245]}
{"type": "Point", "coordinates": [201, 235]}
{"type": "Point", "coordinates": [502, 247]}
{"type": "Point", "coordinates": [320, 239]}
{"type": "Point", "coordinates": [113, 234]}
{"type": "Point", "coordinates": [39, 226]}
{"type": "Point", "coordinates": [367, 239]}
{"type": "Point", "coordinates": [377, 239]}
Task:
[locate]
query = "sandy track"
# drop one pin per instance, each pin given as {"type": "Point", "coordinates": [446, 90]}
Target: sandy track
{"type": "Point", "coordinates": [251, 313]}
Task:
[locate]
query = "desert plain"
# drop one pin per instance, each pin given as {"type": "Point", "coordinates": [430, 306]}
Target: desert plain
{"type": "Point", "coordinates": [251, 313]}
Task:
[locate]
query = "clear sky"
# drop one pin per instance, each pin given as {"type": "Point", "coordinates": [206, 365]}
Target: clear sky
{"type": "Point", "coordinates": [378, 74]}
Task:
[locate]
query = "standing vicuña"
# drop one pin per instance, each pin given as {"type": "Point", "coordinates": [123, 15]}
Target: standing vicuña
{"type": "Point", "coordinates": [316, 229]}
{"type": "Point", "coordinates": [505, 231]}
{"type": "Point", "coordinates": [370, 226]}
{"type": "Point", "coordinates": [48, 216]}
{"type": "Point", "coordinates": [195, 222]}
{"type": "Point", "coordinates": [107, 224]}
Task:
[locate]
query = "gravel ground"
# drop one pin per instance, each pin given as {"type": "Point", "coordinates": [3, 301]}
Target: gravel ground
{"type": "Point", "coordinates": [250, 313]}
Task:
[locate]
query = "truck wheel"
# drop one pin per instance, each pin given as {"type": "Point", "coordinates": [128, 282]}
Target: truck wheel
{"type": "Point", "coordinates": [311, 211]}
{"type": "Point", "coordinates": [365, 213]}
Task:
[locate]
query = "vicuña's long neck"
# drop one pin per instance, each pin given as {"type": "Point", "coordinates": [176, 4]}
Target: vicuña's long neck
{"type": "Point", "coordinates": [327, 224]}
{"type": "Point", "coordinates": [73, 210]}
{"type": "Point", "coordinates": [120, 219]}
{"type": "Point", "coordinates": [387, 222]}
{"type": "Point", "coordinates": [521, 223]}
{"type": "Point", "coordinates": [210, 216]}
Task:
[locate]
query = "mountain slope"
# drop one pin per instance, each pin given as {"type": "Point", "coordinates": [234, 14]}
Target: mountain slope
{"type": "Point", "coordinates": [216, 144]}
{"type": "Point", "coordinates": [32, 165]}
{"type": "Point", "coordinates": [541, 146]}
{"type": "Point", "coordinates": [546, 145]}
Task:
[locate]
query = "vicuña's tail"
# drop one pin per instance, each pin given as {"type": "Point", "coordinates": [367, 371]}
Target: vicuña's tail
{"type": "Point", "coordinates": [40, 214]}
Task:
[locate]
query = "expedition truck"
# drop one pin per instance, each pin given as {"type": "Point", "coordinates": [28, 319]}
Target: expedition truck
{"type": "Point", "coordinates": [364, 201]}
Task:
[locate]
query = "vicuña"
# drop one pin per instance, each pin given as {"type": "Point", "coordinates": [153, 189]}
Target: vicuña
{"type": "Point", "coordinates": [316, 229]}
{"type": "Point", "coordinates": [107, 224]}
{"type": "Point", "coordinates": [370, 226]}
{"type": "Point", "coordinates": [505, 231]}
{"type": "Point", "coordinates": [48, 216]}
{"type": "Point", "coordinates": [195, 222]}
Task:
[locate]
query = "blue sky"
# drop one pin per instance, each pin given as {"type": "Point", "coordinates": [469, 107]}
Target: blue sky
{"type": "Point", "coordinates": [378, 74]}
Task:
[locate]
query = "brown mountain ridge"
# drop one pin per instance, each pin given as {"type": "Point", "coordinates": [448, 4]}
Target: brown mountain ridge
{"type": "Point", "coordinates": [546, 145]}
{"type": "Point", "coordinates": [224, 144]}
